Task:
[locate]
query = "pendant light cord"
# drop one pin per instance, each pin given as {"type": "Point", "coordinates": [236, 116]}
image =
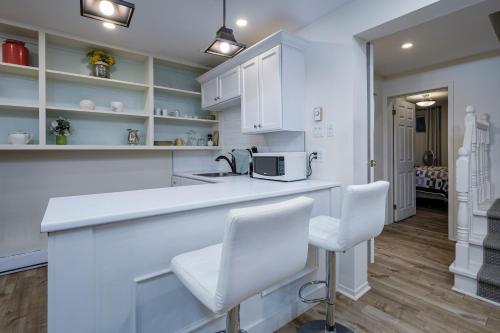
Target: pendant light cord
{"type": "Point", "coordinates": [223, 13]}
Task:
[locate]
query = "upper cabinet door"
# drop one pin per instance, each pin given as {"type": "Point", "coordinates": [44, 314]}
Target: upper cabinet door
{"type": "Point", "coordinates": [250, 105]}
{"type": "Point", "coordinates": [210, 93]}
{"type": "Point", "coordinates": [270, 90]}
{"type": "Point", "coordinates": [229, 84]}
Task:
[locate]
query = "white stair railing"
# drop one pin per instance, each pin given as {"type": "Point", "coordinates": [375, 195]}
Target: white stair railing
{"type": "Point", "coordinates": [472, 180]}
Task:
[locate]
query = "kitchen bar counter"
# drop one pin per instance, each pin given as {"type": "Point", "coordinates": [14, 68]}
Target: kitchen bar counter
{"type": "Point", "coordinates": [90, 210]}
{"type": "Point", "coordinates": [109, 257]}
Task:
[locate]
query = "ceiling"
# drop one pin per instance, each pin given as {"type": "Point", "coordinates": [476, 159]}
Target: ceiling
{"type": "Point", "coordinates": [173, 28]}
{"type": "Point", "coordinates": [461, 34]}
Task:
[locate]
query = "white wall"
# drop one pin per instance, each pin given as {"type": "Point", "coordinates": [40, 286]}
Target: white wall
{"type": "Point", "coordinates": [29, 179]}
{"type": "Point", "coordinates": [474, 83]}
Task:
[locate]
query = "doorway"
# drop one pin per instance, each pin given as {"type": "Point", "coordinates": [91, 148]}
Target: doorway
{"type": "Point", "coordinates": [420, 153]}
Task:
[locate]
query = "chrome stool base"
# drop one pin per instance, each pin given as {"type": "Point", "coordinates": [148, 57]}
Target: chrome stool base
{"type": "Point", "coordinates": [319, 326]}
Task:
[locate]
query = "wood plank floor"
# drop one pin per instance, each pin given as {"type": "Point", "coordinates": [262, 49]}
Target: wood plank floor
{"type": "Point", "coordinates": [411, 289]}
{"type": "Point", "coordinates": [411, 286]}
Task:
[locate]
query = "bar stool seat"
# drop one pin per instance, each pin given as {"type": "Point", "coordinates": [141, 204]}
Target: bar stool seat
{"type": "Point", "coordinates": [198, 271]}
{"type": "Point", "coordinates": [324, 233]}
{"type": "Point", "coordinates": [251, 257]}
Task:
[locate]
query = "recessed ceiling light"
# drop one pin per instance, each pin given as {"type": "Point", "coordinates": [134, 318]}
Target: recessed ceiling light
{"type": "Point", "coordinates": [108, 25]}
{"type": "Point", "coordinates": [241, 23]}
{"type": "Point", "coordinates": [407, 46]}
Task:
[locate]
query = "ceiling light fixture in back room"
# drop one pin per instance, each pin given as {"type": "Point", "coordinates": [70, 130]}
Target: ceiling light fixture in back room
{"type": "Point", "coordinates": [426, 102]}
{"type": "Point", "coordinates": [115, 12]}
{"type": "Point", "coordinates": [225, 44]}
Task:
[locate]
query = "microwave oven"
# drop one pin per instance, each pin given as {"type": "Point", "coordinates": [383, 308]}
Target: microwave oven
{"type": "Point", "coordinates": [287, 167]}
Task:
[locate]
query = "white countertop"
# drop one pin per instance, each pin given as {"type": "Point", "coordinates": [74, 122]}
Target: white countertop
{"type": "Point", "coordinates": [95, 209]}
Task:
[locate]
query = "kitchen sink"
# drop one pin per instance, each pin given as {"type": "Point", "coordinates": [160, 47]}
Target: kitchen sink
{"type": "Point", "coordinates": [217, 174]}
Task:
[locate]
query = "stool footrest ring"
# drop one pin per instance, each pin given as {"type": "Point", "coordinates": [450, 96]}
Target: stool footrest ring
{"type": "Point", "coordinates": [313, 300]}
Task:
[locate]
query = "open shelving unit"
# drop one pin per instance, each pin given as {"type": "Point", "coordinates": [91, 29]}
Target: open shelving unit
{"type": "Point", "coordinates": [31, 97]}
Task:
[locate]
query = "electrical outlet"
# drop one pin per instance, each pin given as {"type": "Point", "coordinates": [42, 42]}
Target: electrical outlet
{"type": "Point", "coordinates": [319, 155]}
{"type": "Point", "coordinates": [330, 130]}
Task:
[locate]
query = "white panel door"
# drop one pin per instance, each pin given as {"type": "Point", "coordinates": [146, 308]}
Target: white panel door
{"type": "Point", "coordinates": [210, 93]}
{"type": "Point", "coordinates": [270, 90]}
{"type": "Point", "coordinates": [404, 160]}
{"type": "Point", "coordinates": [250, 104]}
{"type": "Point", "coordinates": [229, 84]}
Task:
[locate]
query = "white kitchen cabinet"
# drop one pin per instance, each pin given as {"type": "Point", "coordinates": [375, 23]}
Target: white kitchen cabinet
{"type": "Point", "coordinates": [272, 91]}
{"type": "Point", "coordinates": [229, 85]}
{"type": "Point", "coordinates": [210, 93]}
{"type": "Point", "coordinates": [221, 90]}
{"type": "Point", "coordinates": [250, 96]}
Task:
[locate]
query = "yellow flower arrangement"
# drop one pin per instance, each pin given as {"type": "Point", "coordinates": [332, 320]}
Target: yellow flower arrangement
{"type": "Point", "coordinates": [96, 56]}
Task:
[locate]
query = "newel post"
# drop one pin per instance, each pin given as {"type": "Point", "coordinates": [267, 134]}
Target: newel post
{"type": "Point", "coordinates": [463, 214]}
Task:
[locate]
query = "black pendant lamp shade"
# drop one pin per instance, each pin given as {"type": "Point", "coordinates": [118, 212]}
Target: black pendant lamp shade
{"type": "Point", "coordinates": [225, 44]}
{"type": "Point", "coordinates": [113, 11]}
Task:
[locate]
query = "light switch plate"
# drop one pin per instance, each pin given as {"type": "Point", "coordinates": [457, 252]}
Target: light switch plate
{"type": "Point", "coordinates": [330, 130]}
{"type": "Point", "coordinates": [318, 114]}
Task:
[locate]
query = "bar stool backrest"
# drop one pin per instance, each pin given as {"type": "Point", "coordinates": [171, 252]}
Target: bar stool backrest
{"type": "Point", "coordinates": [262, 246]}
{"type": "Point", "coordinates": [363, 213]}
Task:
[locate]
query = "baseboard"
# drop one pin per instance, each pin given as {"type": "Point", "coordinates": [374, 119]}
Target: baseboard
{"type": "Point", "coordinates": [23, 261]}
{"type": "Point", "coordinates": [475, 296]}
{"type": "Point", "coordinates": [353, 294]}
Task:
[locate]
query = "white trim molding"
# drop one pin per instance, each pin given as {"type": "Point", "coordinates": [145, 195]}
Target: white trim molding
{"type": "Point", "coordinates": [23, 261]}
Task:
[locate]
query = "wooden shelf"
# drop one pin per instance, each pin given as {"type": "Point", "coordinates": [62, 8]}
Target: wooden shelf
{"type": "Point", "coordinates": [178, 91]}
{"type": "Point", "coordinates": [188, 120]}
{"type": "Point", "coordinates": [97, 112]}
{"type": "Point", "coordinates": [80, 78]}
{"type": "Point", "coordinates": [103, 147]}
{"type": "Point", "coordinates": [18, 69]}
{"type": "Point", "coordinates": [18, 107]}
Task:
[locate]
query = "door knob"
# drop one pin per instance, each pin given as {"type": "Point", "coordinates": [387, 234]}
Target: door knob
{"type": "Point", "coordinates": [260, 125]}
{"type": "Point", "coordinates": [254, 126]}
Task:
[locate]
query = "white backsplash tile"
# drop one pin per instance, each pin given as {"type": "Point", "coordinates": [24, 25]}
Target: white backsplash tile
{"type": "Point", "coordinates": [232, 138]}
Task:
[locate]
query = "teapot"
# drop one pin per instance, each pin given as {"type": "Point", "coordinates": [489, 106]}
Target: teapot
{"type": "Point", "coordinates": [19, 138]}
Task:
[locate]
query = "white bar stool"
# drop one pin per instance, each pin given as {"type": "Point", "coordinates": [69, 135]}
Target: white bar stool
{"type": "Point", "coordinates": [251, 258]}
{"type": "Point", "coordinates": [363, 218]}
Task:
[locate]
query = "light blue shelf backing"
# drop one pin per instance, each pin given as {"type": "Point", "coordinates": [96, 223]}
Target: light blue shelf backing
{"type": "Point", "coordinates": [187, 105]}
{"type": "Point", "coordinates": [18, 89]}
{"type": "Point", "coordinates": [74, 60]}
{"type": "Point", "coordinates": [22, 120]}
{"type": "Point", "coordinates": [87, 129]}
{"type": "Point", "coordinates": [69, 94]}
{"type": "Point", "coordinates": [179, 77]}
{"type": "Point", "coordinates": [169, 131]}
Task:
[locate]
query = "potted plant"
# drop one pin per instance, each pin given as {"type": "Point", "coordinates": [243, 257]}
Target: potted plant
{"type": "Point", "coordinates": [61, 128]}
{"type": "Point", "coordinates": [101, 62]}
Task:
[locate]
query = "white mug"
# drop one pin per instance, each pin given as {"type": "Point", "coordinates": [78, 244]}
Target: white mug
{"type": "Point", "coordinates": [117, 106]}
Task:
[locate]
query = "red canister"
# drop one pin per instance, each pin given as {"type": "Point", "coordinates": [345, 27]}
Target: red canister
{"type": "Point", "coordinates": [14, 52]}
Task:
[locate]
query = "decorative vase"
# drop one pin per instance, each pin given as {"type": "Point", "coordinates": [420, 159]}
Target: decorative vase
{"type": "Point", "coordinates": [101, 69]}
{"type": "Point", "coordinates": [61, 140]}
{"type": "Point", "coordinates": [14, 52]}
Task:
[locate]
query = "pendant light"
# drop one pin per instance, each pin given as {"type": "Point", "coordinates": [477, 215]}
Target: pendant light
{"type": "Point", "coordinates": [426, 102]}
{"type": "Point", "coordinates": [225, 44]}
{"type": "Point", "coordinates": [109, 11]}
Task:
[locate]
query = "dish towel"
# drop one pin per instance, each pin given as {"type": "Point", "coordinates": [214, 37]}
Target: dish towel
{"type": "Point", "coordinates": [242, 158]}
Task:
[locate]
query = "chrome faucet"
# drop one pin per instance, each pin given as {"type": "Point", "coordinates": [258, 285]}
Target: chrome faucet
{"type": "Point", "coordinates": [232, 162]}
